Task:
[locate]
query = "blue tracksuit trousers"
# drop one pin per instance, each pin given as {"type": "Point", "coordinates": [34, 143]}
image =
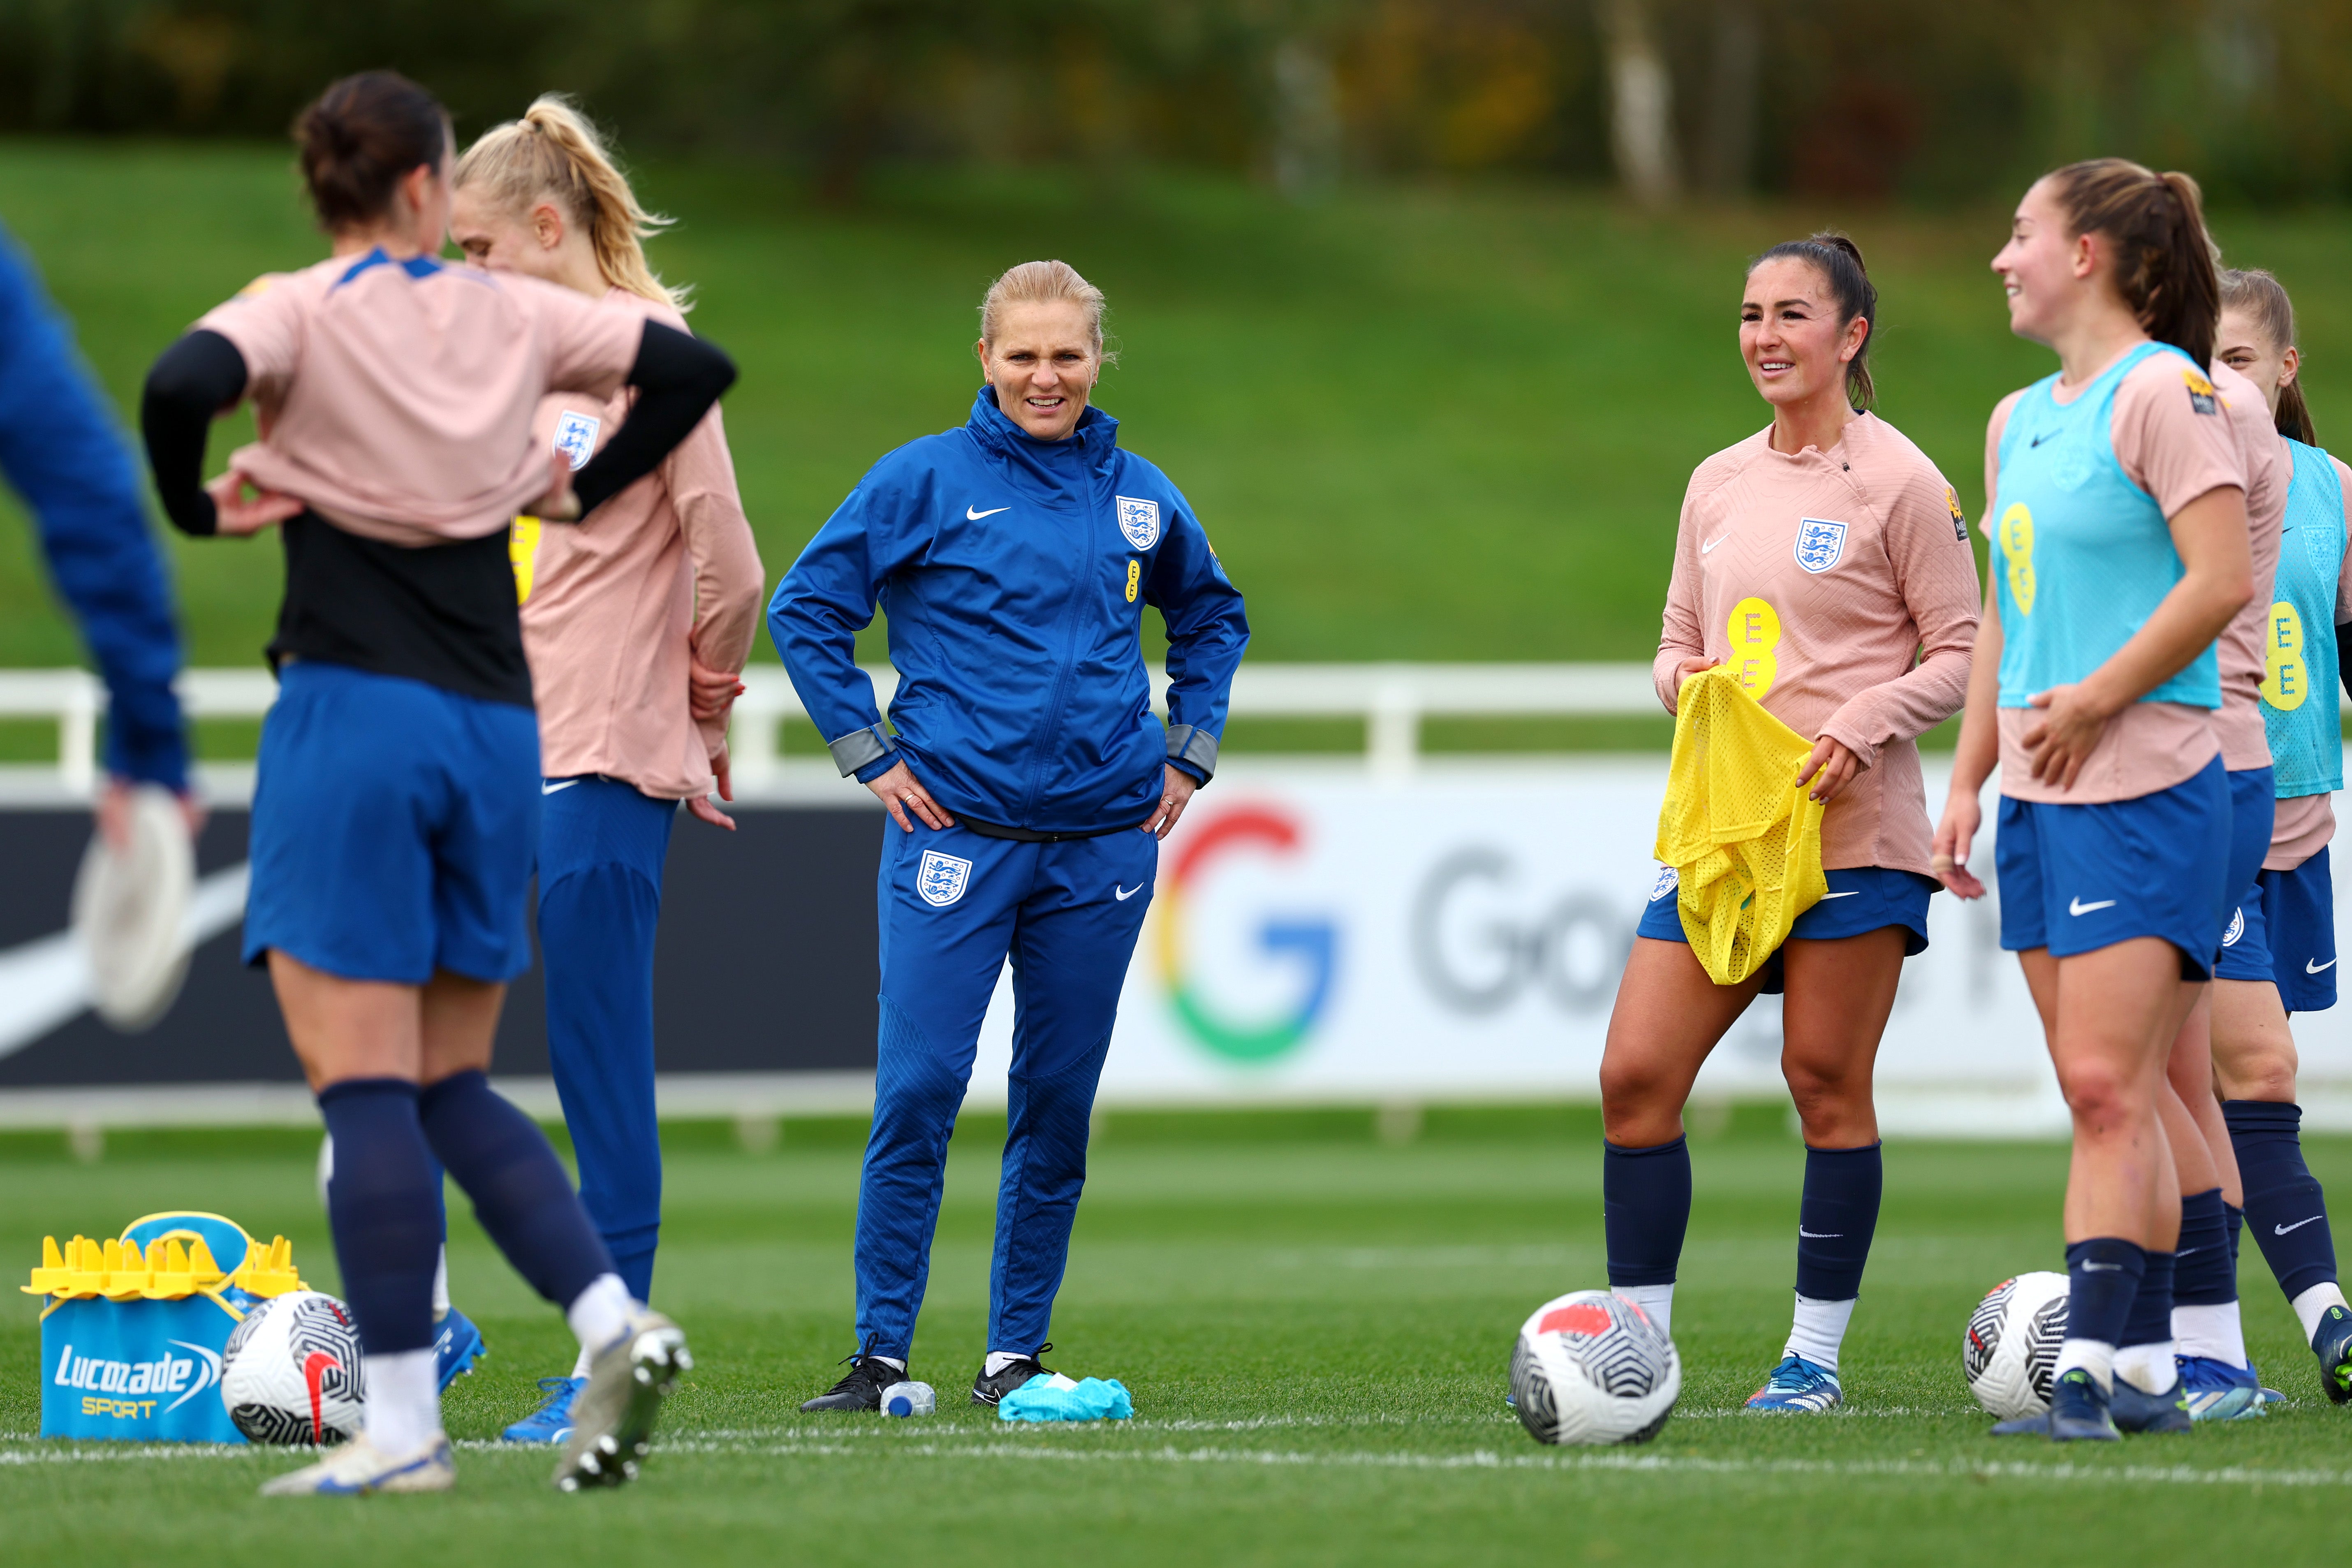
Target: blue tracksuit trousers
{"type": "Point", "coordinates": [955, 906]}
{"type": "Point", "coordinates": [600, 849]}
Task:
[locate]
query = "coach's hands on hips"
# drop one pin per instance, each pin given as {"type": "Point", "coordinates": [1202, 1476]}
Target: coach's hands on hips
{"type": "Point", "coordinates": [1949, 858]}
{"type": "Point", "coordinates": [900, 794]}
{"type": "Point", "coordinates": [1173, 798]}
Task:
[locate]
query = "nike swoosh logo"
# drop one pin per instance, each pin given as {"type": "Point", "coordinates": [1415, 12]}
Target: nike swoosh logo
{"type": "Point", "coordinates": [2185, 1251]}
{"type": "Point", "coordinates": [1713, 543]}
{"type": "Point", "coordinates": [1849, 894]}
{"type": "Point", "coordinates": [2101, 1267]}
{"type": "Point", "coordinates": [1127, 893]}
{"type": "Point", "coordinates": [2311, 968]}
{"type": "Point", "coordinates": [2077, 907]}
{"type": "Point", "coordinates": [44, 983]}
{"type": "Point", "coordinates": [2039, 439]}
{"type": "Point", "coordinates": [2282, 1229]}
{"type": "Point", "coordinates": [992, 511]}
{"type": "Point", "coordinates": [560, 784]}
{"type": "Point", "coordinates": [1820, 1235]}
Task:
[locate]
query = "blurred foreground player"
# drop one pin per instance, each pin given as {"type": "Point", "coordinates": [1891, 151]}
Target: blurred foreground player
{"type": "Point", "coordinates": [395, 808]}
{"type": "Point", "coordinates": [1027, 782]}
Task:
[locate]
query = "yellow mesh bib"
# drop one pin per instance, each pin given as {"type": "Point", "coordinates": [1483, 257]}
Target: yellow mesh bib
{"type": "Point", "coordinates": [1741, 833]}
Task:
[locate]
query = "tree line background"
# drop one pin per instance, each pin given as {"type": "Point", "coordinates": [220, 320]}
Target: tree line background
{"type": "Point", "coordinates": [1923, 101]}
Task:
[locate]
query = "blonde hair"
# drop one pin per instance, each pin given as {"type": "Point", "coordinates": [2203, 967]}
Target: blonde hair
{"type": "Point", "coordinates": [1042, 283]}
{"type": "Point", "coordinates": [554, 153]}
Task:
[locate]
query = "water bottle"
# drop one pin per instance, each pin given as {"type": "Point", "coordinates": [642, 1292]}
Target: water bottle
{"type": "Point", "coordinates": [909, 1399]}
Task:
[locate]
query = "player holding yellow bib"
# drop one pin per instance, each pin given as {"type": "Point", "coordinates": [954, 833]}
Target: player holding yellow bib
{"type": "Point", "coordinates": [1816, 561]}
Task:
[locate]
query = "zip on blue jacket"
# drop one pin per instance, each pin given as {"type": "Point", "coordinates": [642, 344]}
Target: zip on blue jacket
{"type": "Point", "coordinates": [1014, 573]}
{"type": "Point", "coordinates": [61, 449]}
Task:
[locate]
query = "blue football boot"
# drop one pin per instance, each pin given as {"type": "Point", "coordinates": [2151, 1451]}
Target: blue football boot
{"type": "Point", "coordinates": [2218, 1391]}
{"type": "Point", "coordinates": [2077, 1413]}
{"type": "Point", "coordinates": [2133, 1410]}
{"type": "Point", "coordinates": [1800, 1386]}
{"type": "Point", "coordinates": [551, 1422]}
{"type": "Point", "coordinates": [457, 1346]}
{"type": "Point", "coordinates": [2331, 1343]}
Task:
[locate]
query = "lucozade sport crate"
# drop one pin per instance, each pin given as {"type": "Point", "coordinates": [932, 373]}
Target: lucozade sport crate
{"type": "Point", "coordinates": [132, 1334]}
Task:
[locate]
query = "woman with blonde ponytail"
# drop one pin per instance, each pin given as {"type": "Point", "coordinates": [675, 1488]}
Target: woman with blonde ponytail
{"type": "Point", "coordinates": [636, 623]}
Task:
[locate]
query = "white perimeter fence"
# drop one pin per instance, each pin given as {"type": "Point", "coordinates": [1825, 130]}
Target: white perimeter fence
{"type": "Point", "coordinates": [1396, 929]}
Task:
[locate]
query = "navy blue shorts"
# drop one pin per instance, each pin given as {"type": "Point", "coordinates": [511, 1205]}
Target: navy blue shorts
{"type": "Point", "coordinates": [394, 829]}
{"type": "Point", "coordinates": [1863, 899]}
{"type": "Point", "coordinates": [2254, 807]}
{"type": "Point", "coordinates": [2284, 931]}
{"type": "Point", "coordinates": [2076, 879]}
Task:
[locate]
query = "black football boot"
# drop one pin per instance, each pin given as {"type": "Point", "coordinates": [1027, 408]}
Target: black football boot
{"type": "Point", "coordinates": [869, 1374]}
{"type": "Point", "coordinates": [988, 1390]}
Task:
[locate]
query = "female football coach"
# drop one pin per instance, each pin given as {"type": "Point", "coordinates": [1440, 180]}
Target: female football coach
{"type": "Point", "coordinates": [1027, 783]}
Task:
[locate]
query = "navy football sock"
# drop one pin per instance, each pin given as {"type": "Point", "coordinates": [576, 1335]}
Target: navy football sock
{"type": "Point", "coordinates": [2284, 1205]}
{"type": "Point", "coordinates": [2204, 1272]}
{"type": "Point", "coordinates": [2149, 1321]}
{"type": "Point", "coordinates": [1835, 1220]}
{"type": "Point", "coordinates": [2103, 1276]}
{"type": "Point", "coordinates": [520, 1194]}
{"type": "Point", "coordinates": [1646, 1203]}
{"type": "Point", "coordinates": [381, 1204]}
{"type": "Point", "coordinates": [2237, 1220]}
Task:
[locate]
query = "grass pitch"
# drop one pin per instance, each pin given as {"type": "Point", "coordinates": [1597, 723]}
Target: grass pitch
{"type": "Point", "coordinates": [1315, 1326]}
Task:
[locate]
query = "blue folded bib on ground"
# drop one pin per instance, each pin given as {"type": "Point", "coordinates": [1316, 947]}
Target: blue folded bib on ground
{"type": "Point", "coordinates": [1057, 1398]}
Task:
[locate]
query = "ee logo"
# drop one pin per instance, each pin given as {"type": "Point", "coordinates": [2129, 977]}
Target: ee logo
{"type": "Point", "coordinates": [2017, 546]}
{"type": "Point", "coordinates": [1753, 631]}
{"type": "Point", "coordinates": [2285, 682]}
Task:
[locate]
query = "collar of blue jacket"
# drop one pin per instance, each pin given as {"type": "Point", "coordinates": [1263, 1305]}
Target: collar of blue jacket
{"type": "Point", "coordinates": [1015, 573]}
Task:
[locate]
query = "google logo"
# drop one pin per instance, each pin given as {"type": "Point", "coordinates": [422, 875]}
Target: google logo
{"type": "Point", "coordinates": [1313, 945]}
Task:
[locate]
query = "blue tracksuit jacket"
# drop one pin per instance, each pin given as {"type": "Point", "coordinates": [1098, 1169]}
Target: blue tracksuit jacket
{"type": "Point", "coordinates": [61, 451]}
{"type": "Point", "coordinates": [1014, 573]}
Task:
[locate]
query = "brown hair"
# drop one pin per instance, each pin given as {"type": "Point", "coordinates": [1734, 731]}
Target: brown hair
{"type": "Point", "coordinates": [2264, 297]}
{"type": "Point", "coordinates": [553, 153]}
{"type": "Point", "coordinates": [360, 137]}
{"type": "Point", "coordinates": [1041, 282]}
{"type": "Point", "coordinates": [2164, 261]}
{"type": "Point", "coordinates": [1839, 260]}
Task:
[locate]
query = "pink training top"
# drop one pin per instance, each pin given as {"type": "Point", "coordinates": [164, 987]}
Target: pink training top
{"type": "Point", "coordinates": [2175, 454]}
{"type": "Point", "coordinates": [396, 398]}
{"type": "Point", "coordinates": [2269, 470]}
{"type": "Point", "coordinates": [2306, 824]}
{"type": "Point", "coordinates": [613, 607]}
{"type": "Point", "coordinates": [1820, 577]}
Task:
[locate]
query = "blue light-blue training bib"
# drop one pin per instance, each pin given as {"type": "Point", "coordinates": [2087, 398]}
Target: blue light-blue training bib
{"type": "Point", "coordinates": [2081, 555]}
{"type": "Point", "coordinates": [2302, 711]}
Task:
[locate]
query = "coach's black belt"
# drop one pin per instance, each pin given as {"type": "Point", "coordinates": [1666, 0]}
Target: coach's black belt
{"type": "Point", "coordinates": [1032, 836]}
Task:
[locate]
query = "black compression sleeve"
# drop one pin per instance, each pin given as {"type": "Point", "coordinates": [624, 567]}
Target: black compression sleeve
{"type": "Point", "coordinates": [2344, 656]}
{"type": "Point", "coordinates": [196, 378]}
{"type": "Point", "coordinates": [678, 377]}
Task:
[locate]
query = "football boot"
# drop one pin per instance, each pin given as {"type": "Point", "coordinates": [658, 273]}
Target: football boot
{"type": "Point", "coordinates": [988, 1388]}
{"type": "Point", "coordinates": [2077, 1413]}
{"type": "Point", "coordinates": [551, 1422]}
{"type": "Point", "coordinates": [2331, 1343]}
{"type": "Point", "coordinates": [1798, 1384]}
{"type": "Point", "coordinates": [357, 1468]}
{"type": "Point", "coordinates": [2133, 1410]}
{"type": "Point", "coordinates": [457, 1346]}
{"type": "Point", "coordinates": [613, 1418]}
{"type": "Point", "coordinates": [869, 1374]}
{"type": "Point", "coordinates": [2218, 1391]}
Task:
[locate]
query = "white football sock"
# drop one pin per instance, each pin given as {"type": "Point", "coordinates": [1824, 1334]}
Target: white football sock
{"type": "Point", "coordinates": [999, 1360]}
{"type": "Point", "coordinates": [441, 1285]}
{"type": "Point", "coordinates": [2313, 1304]}
{"type": "Point", "coordinates": [2094, 1356]}
{"type": "Point", "coordinates": [1657, 1301]}
{"type": "Point", "coordinates": [890, 1360]}
{"type": "Point", "coordinates": [600, 1314]}
{"type": "Point", "coordinates": [1819, 1329]}
{"type": "Point", "coordinates": [403, 1401]}
{"type": "Point", "coordinates": [2149, 1368]}
{"type": "Point", "coordinates": [580, 1367]}
{"type": "Point", "coordinates": [2211, 1331]}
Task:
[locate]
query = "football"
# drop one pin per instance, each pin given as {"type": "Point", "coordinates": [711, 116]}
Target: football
{"type": "Point", "coordinates": [1590, 1367]}
{"type": "Point", "coordinates": [2011, 1350]}
{"type": "Point", "coordinates": [290, 1372]}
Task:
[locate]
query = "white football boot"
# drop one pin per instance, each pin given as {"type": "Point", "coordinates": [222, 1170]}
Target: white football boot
{"type": "Point", "coordinates": [613, 1419]}
{"type": "Point", "coordinates": [359, 1466]}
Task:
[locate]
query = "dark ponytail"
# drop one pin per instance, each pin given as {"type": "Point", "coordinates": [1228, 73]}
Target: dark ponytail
{"type": "Point", "coordinates": [2264, 298]}
{"type": "Point", "coordinates": [1838, 261]}
{"type": "Point", "coordinates": [358, 139]}
{"type": "Point", "coordinates": [2164, 261]}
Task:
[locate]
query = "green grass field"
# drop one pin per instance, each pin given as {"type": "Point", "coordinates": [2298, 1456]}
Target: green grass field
{"type": "Point", "coordinates": [1315, 1326]}
{"type": "Point", "coordinates": [1425, 424]}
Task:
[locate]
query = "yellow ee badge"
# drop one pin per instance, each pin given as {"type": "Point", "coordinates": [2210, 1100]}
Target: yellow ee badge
{"type": "Point", "coordinates": [2285, 682]}
{"type": "Point", "coordinates": [522, 550]}
{"type": "Point", "coordinates": [2202, 397]}
{"type": "Point", "coordinates": [1134, 579]}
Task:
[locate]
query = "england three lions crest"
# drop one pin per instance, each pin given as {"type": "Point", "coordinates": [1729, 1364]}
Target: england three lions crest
{"type": "Point", "coordinates": [941, 878]}
{"type": "Point", "coordinates": [1819, 544]}
{"type": "Point", "coordinates": [575, 438]}
{"type": "Point", "coordinates": [1140, 521]}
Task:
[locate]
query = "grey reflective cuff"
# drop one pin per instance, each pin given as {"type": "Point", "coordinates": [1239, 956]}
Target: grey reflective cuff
{"type": "Point", "coordinates": [859, 749]}
{"type": "Point", "coordinates": [1194, 746]}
